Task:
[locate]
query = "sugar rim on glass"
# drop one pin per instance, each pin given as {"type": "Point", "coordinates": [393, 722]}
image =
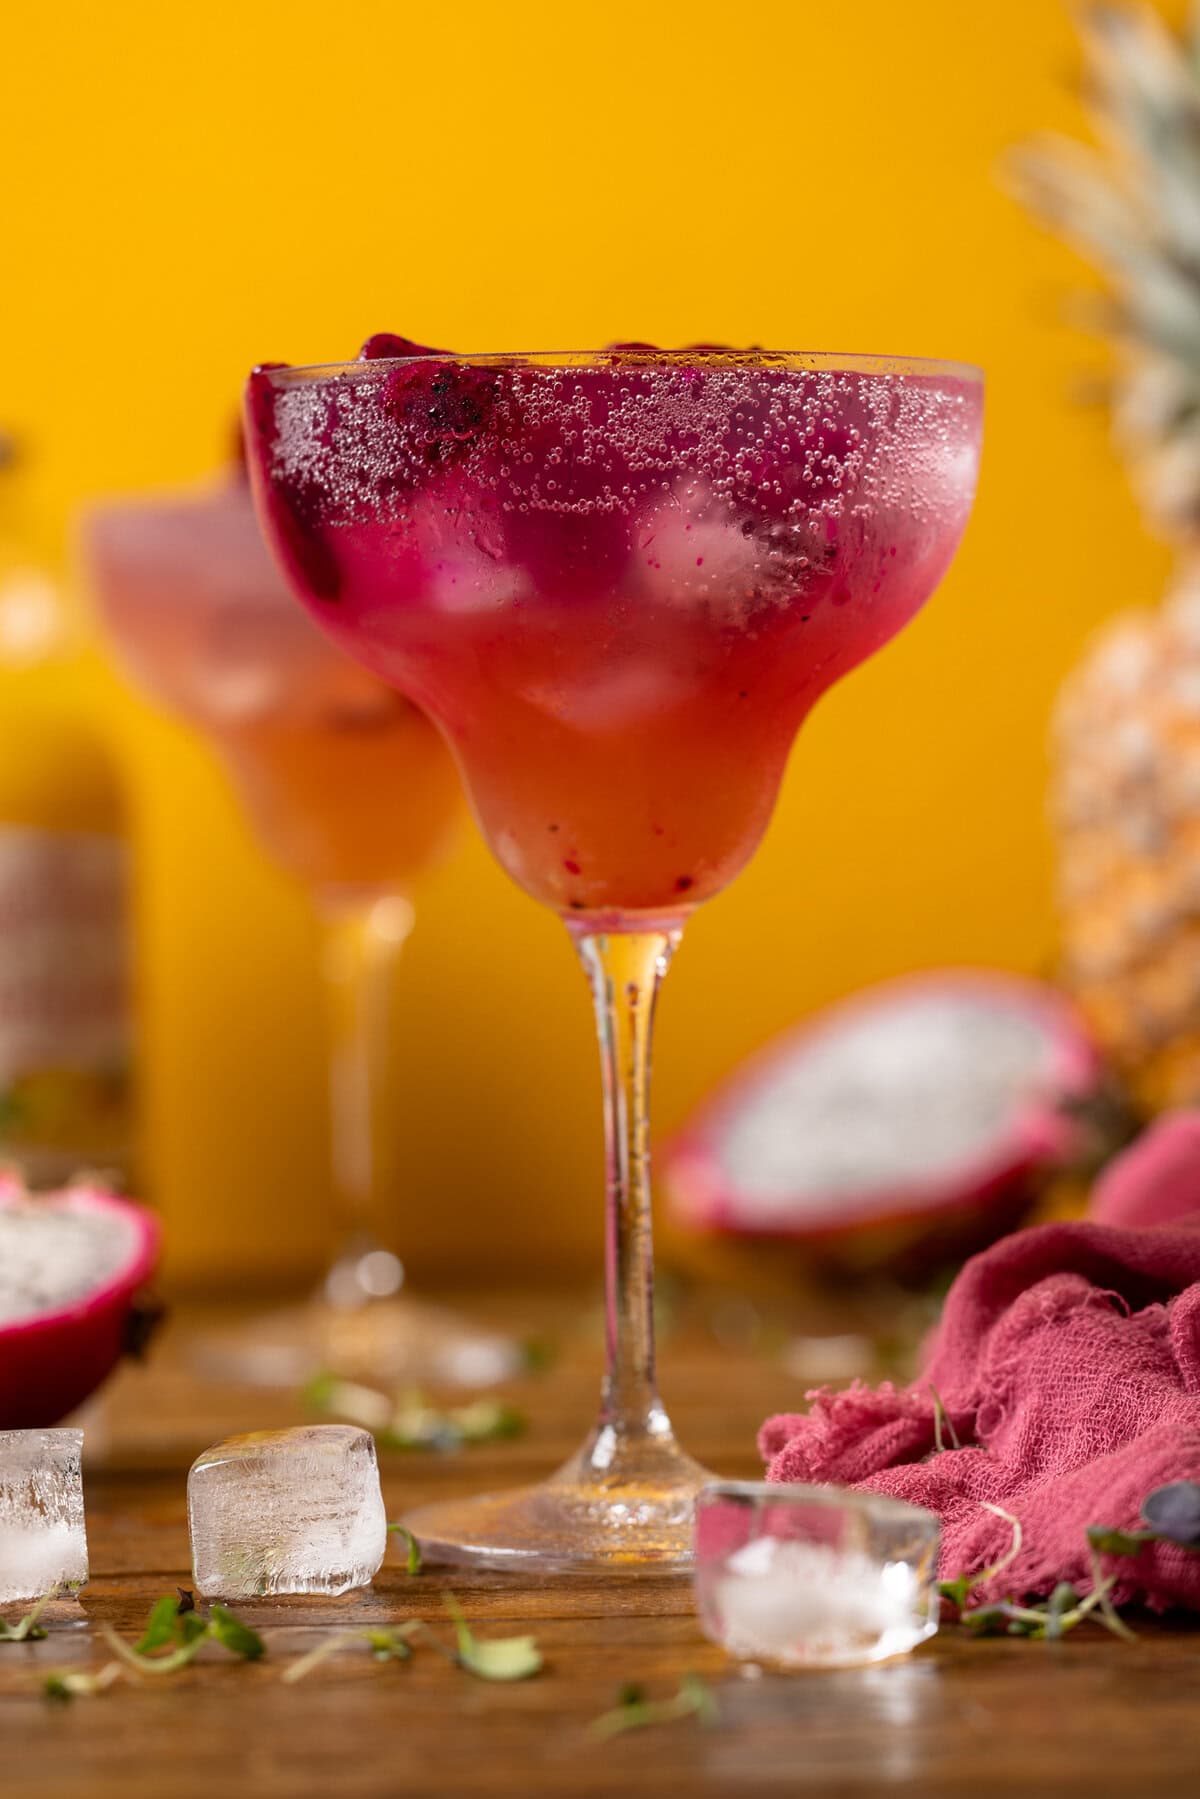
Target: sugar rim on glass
{"type": "Point", "coordinates": [799, 361]}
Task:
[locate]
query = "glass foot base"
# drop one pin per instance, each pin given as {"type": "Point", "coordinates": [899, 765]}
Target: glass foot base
{"type": "Point", "coordinates": [577, 1522]}
{"type": "Point", "coordinates": [392, 1340]}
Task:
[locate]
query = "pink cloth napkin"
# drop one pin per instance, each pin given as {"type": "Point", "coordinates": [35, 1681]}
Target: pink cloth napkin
{"type": "Point", "coordinates": [1068, 1363]}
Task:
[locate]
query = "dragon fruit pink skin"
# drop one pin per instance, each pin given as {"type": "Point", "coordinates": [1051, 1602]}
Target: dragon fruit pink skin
{"type": "Point", "coordinates": [1157, 1180]}
{"type": "Point", "coordinates": [52, 1360]}
{"type": "Point", "coordinates": [909, 1220]}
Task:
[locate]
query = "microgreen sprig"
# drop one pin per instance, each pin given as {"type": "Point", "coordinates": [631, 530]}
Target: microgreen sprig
{"type": "Point", "coordinates": [634, 1711]}
{"type": "Point", "coordinates": [77, 1684]}
{"type": "Point", "coordinates": [958, 1589]}
{"type": "Point", "coordinates": [387, 1645]}
{"type": "Point", "coordinates": [496, 1658]}
{"type": "Point", "coordinates": [176, 1627]}
{"type": "Point", "coordinates": [409, 1422]}
{"type": "Point", "coordinates": [1172, 1515]}
{"type": "Point", "coordinates": [27, 1629]}
{"type": "Point", "coordinates": [412, 1560]}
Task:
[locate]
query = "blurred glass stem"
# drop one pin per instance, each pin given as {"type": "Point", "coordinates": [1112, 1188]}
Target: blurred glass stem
{"type": "Point", "coordinates": [363, 940]}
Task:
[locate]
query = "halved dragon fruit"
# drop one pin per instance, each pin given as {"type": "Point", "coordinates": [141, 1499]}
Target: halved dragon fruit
{"type": "Point", "coordinates": [910, 1124]}
{"type": "Point", "coordinates": [72, 1268]}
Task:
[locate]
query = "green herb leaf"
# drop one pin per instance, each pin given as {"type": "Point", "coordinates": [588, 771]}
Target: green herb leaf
{"type": "Point", "coordinates": [986, 1620]}
{"type": "Point", "coordinates": [161, 1628]}
{"type": "Point", "coordinates": [390, 1645]}
{"type": "Point", "coordinates": [955, 1590]}
{"type": "Point", "coordinates": [958, 1589]}
{"type": "Point", "coordinates": [347, 1399]}
{"type": "Point", "coordinates": [416, 1425]}
{"type": "Point", "coordinates": [1109, 1541]}
{"type": "Point", "coordinates": [498, 1658]}
{"type": "Point", "coordinates": [487, 1421]}
{"type": "Point", "coordinates": [65, 1686]}
{"type": "Point", "coordinates": [634, 1712]}
{"type": "Point", "coordinates": [1063, 1600]}
{"type": "Point", "coordinates": [27, 1629]}
{"type": "Point", "coordinates": [318, 1394]}
{"type": "Point", "coordinates": [170, 1623]}
{"type": "Point", "coordinates": [413, 1559]}
{"type": "Point", "coordinates": [233, 1635]}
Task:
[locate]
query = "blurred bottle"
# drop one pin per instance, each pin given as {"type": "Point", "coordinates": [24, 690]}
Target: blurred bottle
{"type": "Point", "coordinates": [65, 1003]}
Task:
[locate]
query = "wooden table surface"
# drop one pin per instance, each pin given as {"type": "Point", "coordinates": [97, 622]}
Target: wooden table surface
{"type": "Point", "coordinates": [1088, 1715]}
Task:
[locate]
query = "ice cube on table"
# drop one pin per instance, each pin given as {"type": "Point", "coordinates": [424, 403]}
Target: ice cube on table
{"type": "Point", "coordinates": [43, 1540]}
{"type": "Point", "coordinates": [813, 1577]}
{"type": "Point", "coordinates": [286, 1511]}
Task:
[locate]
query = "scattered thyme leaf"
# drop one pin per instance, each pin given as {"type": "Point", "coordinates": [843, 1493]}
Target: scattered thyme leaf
{"type": "Point", "coordinates": [1110, 1541]}
{"type": "Point", "coordinates": [64, 1686]}
{"type": "Point", "coordinates": [497, 1658]}
{"type": "Point", "coordinates": [413, 1559]}
{"type": "Point", "coordinates": [170, 1622]}
{"type": "Point", "coordinates": [161, 1627]}
{"type": "Point", "coordinates": [633, 1711]}
{"type": "Point", "coordinates": [487, 1421]}
{"type": "Point", "coordinates": [416, 1425]}
{"type": "Point", "coordinates": [348, 1399]}
{"type": "Point", "coordinates": [1063, 1600]}
{"type": "Point", "coordinates": [1101, 1596]}
{"type": "Point", "coordinates": [410, 1422]}
{"type": "Point", "coordinates": [958, 1589]}
{"type": "Point", "coordinates": [985, 1620]}
{"type": "Point", "coordinates": [27, 1629]}
{"type": "Point", "coordinates": [229, 1631]}
{"type": "Point", "coordinates": [387, 1645]}
{"type": "Point", "coordinates": [391, 1645]}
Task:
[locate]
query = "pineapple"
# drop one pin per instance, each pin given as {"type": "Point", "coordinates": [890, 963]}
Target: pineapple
{"type": "Point", "coordinates": [1126, 790]}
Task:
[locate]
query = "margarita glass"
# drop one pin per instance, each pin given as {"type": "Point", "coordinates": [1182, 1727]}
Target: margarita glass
{"type": "Point", "coordinates": [618, 581]}
{"type": "Point", "coordinates": [351, 790]}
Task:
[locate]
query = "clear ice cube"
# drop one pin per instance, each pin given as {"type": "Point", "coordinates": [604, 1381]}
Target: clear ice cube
{"type": "Point", "coordinates": [43, 1541]}
{"type": "Point", "coordinates": [813, 1577]}
{"type": "Point", "coordinates": [286, 1511]}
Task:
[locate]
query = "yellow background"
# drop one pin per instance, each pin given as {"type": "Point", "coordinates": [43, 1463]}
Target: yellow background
{"type": "Point", "coordinates": [191, 190]}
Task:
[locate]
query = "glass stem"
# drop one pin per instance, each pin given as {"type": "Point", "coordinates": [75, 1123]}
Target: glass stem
{"type": "Point", "coordinates": [362, 941]}
{"type": "Point", "coordinates": [625, 970]}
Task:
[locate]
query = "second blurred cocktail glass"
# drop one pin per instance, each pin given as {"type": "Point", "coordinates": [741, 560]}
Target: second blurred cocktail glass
{"type": "Point", "coordinates": [351, 790]}
{"type": "Point", "coordinates": [618, 582]}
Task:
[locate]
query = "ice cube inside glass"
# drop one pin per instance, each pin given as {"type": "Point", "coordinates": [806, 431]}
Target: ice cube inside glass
{"type": "Point", "coordinates": [800, 1576]}
{"type": "Point", "coordinates": [43, 1540]}
{"type": "Point", "coordinates": [286, 1511]}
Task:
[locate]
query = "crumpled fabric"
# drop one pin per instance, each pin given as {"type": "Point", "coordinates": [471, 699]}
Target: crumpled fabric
{"type": "Point", "coordinates": [1067, 1361]}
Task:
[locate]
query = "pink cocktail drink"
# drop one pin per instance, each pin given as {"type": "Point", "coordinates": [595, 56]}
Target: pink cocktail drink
{"type": "Point", "coordinates": [619, 582]}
